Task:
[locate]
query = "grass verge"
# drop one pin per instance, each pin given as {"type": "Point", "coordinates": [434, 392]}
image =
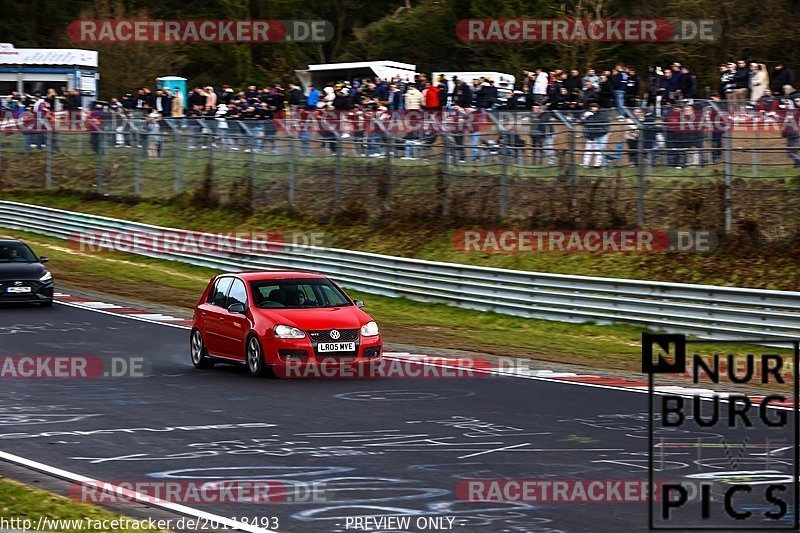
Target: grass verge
{"type": "Point", "coordinates": [742, 261]}
{"type": "Point", "coordinates": [19, 501]}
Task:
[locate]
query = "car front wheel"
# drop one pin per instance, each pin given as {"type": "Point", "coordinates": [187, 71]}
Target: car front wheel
{"type": "Point", "coordinates": [255, 358]}
{"type": "Point", "coordinates": [198, 351]}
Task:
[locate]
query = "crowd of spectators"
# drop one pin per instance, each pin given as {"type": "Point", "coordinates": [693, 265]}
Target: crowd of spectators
{"type": "Point", "coordinates": [593, 98]}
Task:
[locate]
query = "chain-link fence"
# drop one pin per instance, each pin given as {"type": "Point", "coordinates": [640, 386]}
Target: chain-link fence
{"type": "Point", "coordinates": [551, 168]}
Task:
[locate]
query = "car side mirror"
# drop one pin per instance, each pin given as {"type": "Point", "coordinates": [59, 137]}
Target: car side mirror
{"type": "Point", "coordinates": [236, 308]}
{"type": "Point", "coordinates": [43, 259]}
{"type": "Point", "coordinates": [359, 304]}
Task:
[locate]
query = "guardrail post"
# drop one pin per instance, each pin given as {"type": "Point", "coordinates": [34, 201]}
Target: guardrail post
{"type": "Point", "coordinates": [291, 170]}
{"type": "Point", "coordinates": [48, 173]}
{"type": "Point", "coordinates": [177, 152]}
{"type": "Point", "coordinates": [728, 182]}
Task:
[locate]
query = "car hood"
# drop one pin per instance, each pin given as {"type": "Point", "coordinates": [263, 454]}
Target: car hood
{"type": "Point", "coordinates": [21, 271]}
{"type": "Point", "coordinates": [350, 317]}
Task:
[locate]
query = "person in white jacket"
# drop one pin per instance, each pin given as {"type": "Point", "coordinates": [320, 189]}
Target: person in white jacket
{"type": "Point", "coordinates": [413, 98]}
{"type": "Point", "coordinates": [759, 82]}
{"type": "Point", "coordinates": [326, 102]}
{"type": "Point", "coordinates": [540, 87]}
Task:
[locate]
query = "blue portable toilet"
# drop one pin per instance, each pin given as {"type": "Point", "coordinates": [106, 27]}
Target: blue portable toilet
{"type": "Point", "coordinates": [172, 83]}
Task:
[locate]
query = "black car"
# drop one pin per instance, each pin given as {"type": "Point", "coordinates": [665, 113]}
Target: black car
{"type": "Point", "coordinates": [23, 277]}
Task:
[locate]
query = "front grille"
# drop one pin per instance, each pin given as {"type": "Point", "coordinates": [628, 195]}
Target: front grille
{"type": "Point", "coordinates": [324, 335]}
{"type": "Point", "coordinates": [34, 285]}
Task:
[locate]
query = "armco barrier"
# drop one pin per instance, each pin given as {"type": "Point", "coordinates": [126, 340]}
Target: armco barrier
{"type": "Point", "coordinates": [704, 310]}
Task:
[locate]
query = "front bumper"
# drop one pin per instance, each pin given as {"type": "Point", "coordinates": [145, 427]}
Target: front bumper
{"type": "Point", "coordinates": [294, 352]}
{"type": "Point", "coordinates": [40, 292]}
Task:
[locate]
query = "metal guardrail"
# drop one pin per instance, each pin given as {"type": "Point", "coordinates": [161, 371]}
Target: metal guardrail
{"type": "Point", "coordinates": [704, 310]}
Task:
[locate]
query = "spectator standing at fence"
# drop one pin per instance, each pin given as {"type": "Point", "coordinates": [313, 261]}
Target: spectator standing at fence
{"type": "Point", "coordinates": [312, 100]}
{"type": "Point", "coordinates": [211, 98]}
{"type": "Point", "coordinates": [595, 130]}
{"type": "Point", "coordinates": [413, 98]}
{"type": "Point", "coordinates": [295, 97]}
{"type": "Point", "coordinates": [431, 98]}
{"type": "Point", "coordinates": [94, 125]}
{"type": "Point", "coordinates": [631, 88]}
{"type": "Point", "coordinates": [73, 101]}
{"type": "Point", "coordinates": [591, 77]}
{"type": "Point", "coordinates": [688, 84]}
{"type": "Point", "coordinates": [542, 133]}
{"type": "Point", "coordinates": [759, 82]}
{"type": "Point", "coordinates": [540, 84]}
{"type": "Point", "coordinates": [782, 76]}
{"type": "Point", "coordinates": [633, 131]}
{"type": "Point", "coordinates": [605, 96]}
{"type": "Point", "coordinates": [741, 81]}
{"type": "Point", "coordinates": [726, 83]}
{"type": "Point", "coordinates": [653, 84]}
{"type": "Point", "coordinates": [590, 94]}
{"type": "Point", "coordinates": [153, 135]}
{"type": "Point", "coordinates": [221, 122]}
{"type": "Point", "coordinates": [790, 130]}
{"type": "Point", "coordinates": [177, 103]}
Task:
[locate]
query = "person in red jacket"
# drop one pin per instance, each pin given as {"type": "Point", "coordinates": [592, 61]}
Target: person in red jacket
{"type": "Point", "coordinates": [431, 98]}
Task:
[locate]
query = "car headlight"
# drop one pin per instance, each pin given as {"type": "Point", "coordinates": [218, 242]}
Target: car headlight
{"type": "Point", "coordinates": [47, 276]}
{"type": "Point", "coordinates": [283, 331]}
{"type": "Point", "coordinates": [370, 329]}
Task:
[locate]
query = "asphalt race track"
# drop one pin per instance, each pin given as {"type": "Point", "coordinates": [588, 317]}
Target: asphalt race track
{"type": "Point", "coordinates": [381, 446]}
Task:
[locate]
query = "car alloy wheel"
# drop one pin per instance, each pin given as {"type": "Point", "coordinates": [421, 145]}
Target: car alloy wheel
{"type": "Point", "coordinates": [255, 359]}
{"type": "Point", "coordinates": [198, 351]}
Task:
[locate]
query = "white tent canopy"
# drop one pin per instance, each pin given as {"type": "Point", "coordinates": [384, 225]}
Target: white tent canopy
{"type": "Point", "coordinates": [321, 74]}
{"type": "Point", "coordinates": [47, 56]}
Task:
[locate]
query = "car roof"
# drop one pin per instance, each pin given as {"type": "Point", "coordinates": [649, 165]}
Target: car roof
{"type": "Point", "coordinates": [10, 241]}
{"type": "Point", "coordinates": [276, 274]}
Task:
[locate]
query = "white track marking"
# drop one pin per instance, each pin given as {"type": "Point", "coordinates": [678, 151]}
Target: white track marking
{"type": "Point", "coordinates": [129, 494]}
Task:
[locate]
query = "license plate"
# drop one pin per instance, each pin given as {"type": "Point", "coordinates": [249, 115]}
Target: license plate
{"type": "Point", "coordinates": [18, 289]}
{"type": "Point", "coordinates": [336, 347]}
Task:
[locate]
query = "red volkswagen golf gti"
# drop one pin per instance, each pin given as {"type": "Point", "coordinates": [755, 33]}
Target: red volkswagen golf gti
{"type": "Point", "coordinates": [269, 320]}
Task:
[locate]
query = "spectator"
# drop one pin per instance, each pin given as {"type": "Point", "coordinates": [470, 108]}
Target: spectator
{"type": "Point", "coordinates": [573, 81]}
{"type": "Point", "coordinates": [653, 84]}
{"type": "Point", "coordinates": [631, 88]}
{"type": "Point", "coordinates": [591, 77]}
{"type": "Point", "coordinates": [595, 129]}
{"type": "Point", "coordinates": [759, 82]}
{"type": "Point", "coordinates": [312, 100]}
{"type": "Point", "coordinates": [153, 135]}
{"type": "Point", "coordinates": [632, 134]}
{"type": "Point", "coordinates": [781, 77]}
{"type": "Point", "coordinates": [413, 98]}
{"type": "Point", "coordinates": [540, 84]}
{"type": "Point", "coordinates": [688, 84]}
{"type": "Point", "coordinates": [542, 135]}
{"type": "Point", "coordinates": [619, 84]}
{"type": "Point", "coordinates": [741, 80]}
{"type": "Point", "coordinates": [295, 97]}
{"type": "Point", "coordinates": [590, 95]}
{"type": "Point", "coordinates": [177, 103]}
{"type": "Point", "coordinates": [726, 83]}
{"type": "Point", "coordinates": [431, 98]}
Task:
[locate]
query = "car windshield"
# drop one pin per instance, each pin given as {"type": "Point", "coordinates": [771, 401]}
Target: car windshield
{"type": "Point", "coordinates": [16, 252]}
{"type": "Point", "coordinates": [312, 293]}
